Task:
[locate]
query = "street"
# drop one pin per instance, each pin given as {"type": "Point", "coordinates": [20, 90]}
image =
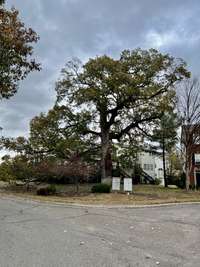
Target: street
{"type": "Point", "coordinates": [41, 234]}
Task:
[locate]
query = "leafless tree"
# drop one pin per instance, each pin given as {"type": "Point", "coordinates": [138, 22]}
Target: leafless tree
{"type": "Point", "coordinates": [189, 110]}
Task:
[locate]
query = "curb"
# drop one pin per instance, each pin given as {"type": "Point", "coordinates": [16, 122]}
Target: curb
{"type": "Point", "coordinates": [100, 206]}
{"type": "Point", "coordinates": [128, 206]}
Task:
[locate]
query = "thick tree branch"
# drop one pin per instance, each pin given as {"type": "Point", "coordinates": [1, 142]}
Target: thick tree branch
{"type": "Point", "coordinates": [133, 125]}
{"type": "Point", "coordinates": [121, 105]}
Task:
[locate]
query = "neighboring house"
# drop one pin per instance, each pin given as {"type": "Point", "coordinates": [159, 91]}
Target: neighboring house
{"type": "Point", "coordinates": [152, 165]}
{"type": "Point", "coordinates": [190, 139]}
{"type": "Point", "coordinates": [195, 166]}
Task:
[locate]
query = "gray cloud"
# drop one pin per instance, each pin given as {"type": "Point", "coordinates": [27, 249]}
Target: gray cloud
{"type": "Point", "coordinates": [86, 28]}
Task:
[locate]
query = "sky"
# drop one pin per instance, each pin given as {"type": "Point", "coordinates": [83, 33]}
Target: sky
{"type": "Point", "coordinates": [87, 28]}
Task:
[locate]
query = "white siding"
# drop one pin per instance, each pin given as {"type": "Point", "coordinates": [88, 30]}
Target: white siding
{"type": "Point", "coordinates": [152, 165]}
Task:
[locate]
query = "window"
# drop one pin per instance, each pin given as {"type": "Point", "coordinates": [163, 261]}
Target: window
{"type": "Point", "coordinates": [148, 167]}
{"type": "Point", "coordinates": [197, 158]}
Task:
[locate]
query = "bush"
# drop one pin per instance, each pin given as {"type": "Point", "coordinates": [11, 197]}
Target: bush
{"type": "Point", "coordinates": [46, 191]}
{"type": "Point", "coordinates": [17, 168]}
{"type": "Point", "coordinates": [101, 188]}
{"type": "Point", "coordinates": [181, 181]}
{"type": "Point", "coordinates": [157, 181]}
{"type": "Point", "coordinates": [68, 173]}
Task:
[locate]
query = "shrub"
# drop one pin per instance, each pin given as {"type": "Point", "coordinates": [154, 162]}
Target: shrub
{"type": "Point", "coordinates": [17, 168]}
{"type": "Point", "coordinates": [46, 191]}
{"type": "Point", "coordinates": [191, 187]}
{"type": "Point", "coordinates": [52, 189]}
{"type": "Point", "coordinates": [181, 181]}
{"type": "Point", "coordinates": [67, 173]}
{"type": "Point", "coordinates": [6, 173]}
{"type": "Point", "coordinates": [157, 181]}
{"type": "Point", "coordinates": [101, 188]}
{"type": "Point", "coordinates": [42, 191]}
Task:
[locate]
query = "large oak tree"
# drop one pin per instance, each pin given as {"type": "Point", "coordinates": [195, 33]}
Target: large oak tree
{"type": "Point", "coordinates": [120, 96]}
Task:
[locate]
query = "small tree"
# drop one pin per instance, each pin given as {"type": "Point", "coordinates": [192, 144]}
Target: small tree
{"type": "Point", "coordinates": [166, 135]}
{"type": "Point", "coordinates": [189, 110]}
{"type": "Point", "coordinates": [16, 168]}
{"type": "Point", "coordinates": [175, 163]}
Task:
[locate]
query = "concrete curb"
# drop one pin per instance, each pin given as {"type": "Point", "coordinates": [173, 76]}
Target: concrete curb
{"type": "Point", "coordinates": [79, 205]}
{"type": "Point", "coordinates": [122, 206]}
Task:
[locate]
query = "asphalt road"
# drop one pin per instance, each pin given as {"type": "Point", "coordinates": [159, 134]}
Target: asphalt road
{"type": "Point", "coordinates": [37, 234]}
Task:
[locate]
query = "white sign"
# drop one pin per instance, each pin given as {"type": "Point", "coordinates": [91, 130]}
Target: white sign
{"type": "Point", "coordinates": [128, 186]}
{"type": "Point", "coordinates": [115, 183]}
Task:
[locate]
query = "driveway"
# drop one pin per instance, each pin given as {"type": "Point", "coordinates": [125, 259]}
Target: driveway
{"type": "Point", "coordinates": [37, 234]}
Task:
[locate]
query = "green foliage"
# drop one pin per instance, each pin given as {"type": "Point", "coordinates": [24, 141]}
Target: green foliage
{"type": "Point", "coordinates": [121, 97]}
{"type": "Point", "coordinates": [49, 171]}
{"type": "Point", "coordinates": [175, 163]}
{"type": "Point", "coordinates": [117, 99]}
{"type": "Point", "coordinates": [181, 182]}
{"type": "Point", "coordinates": [157, 181]}
{"type": "Point", "coordinates": [22, 169]}
{"type": "Point", "coordinates": [46, 191]}
{"type": "Point", "coordinates": [62, 136]}
{"type": "Point", "coordinates": [101, 188]}
{"type": "Point", "coordinates": [166, 135]}
{"type": "Point", "coordinates": [126, 154]}
{"type": "Point", "coordinates": [17, 168]}
{"type": "Point", "coordinates": [5, 172]}
{"type": "Point", "coordinates": [116, 172]}
{"type": "Point", "coordinates": [166, 132]}
{"type": "Point", "coordinates": [15, 51]}
{"type": "Point", "coordinates": [126, 91]}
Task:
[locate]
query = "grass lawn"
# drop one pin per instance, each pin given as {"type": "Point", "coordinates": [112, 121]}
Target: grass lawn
{"type": "Point", "coordinates": [142, 195]}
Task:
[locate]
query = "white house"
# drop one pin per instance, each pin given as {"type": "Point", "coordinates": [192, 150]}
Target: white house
{"type": "Point", "coordinates": [152, 164]}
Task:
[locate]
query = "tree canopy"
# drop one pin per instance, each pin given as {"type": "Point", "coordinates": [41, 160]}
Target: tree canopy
{"type": "Point", "coordinates": [120, 96]}
{"type": "Point", "coordinates": [16, 50]}
{"type": "Point", "coordinates": [165, 134]}
{"type": "Point", "coordinates": [57, 133]}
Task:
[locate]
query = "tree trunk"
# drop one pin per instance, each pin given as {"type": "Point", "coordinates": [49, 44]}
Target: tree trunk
{"type": "Point", "coordinates": [77, 184]}
{"type": "Point", "coordinates": [187, 170]}
{"type": "Point", "coordinates": [164, 164]}
{"type": "Point", "coordinates": [187, 182]}
{"type": "Point", "coordinates": [109, 160]}
{"type": "Point", "coordinates": [195, 180]}
{"type": "Point", "coordinates": [104, 154]}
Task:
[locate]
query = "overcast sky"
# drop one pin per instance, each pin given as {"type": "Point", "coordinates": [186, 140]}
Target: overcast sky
{"type": "Point", "coordinates": [86, 28]}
